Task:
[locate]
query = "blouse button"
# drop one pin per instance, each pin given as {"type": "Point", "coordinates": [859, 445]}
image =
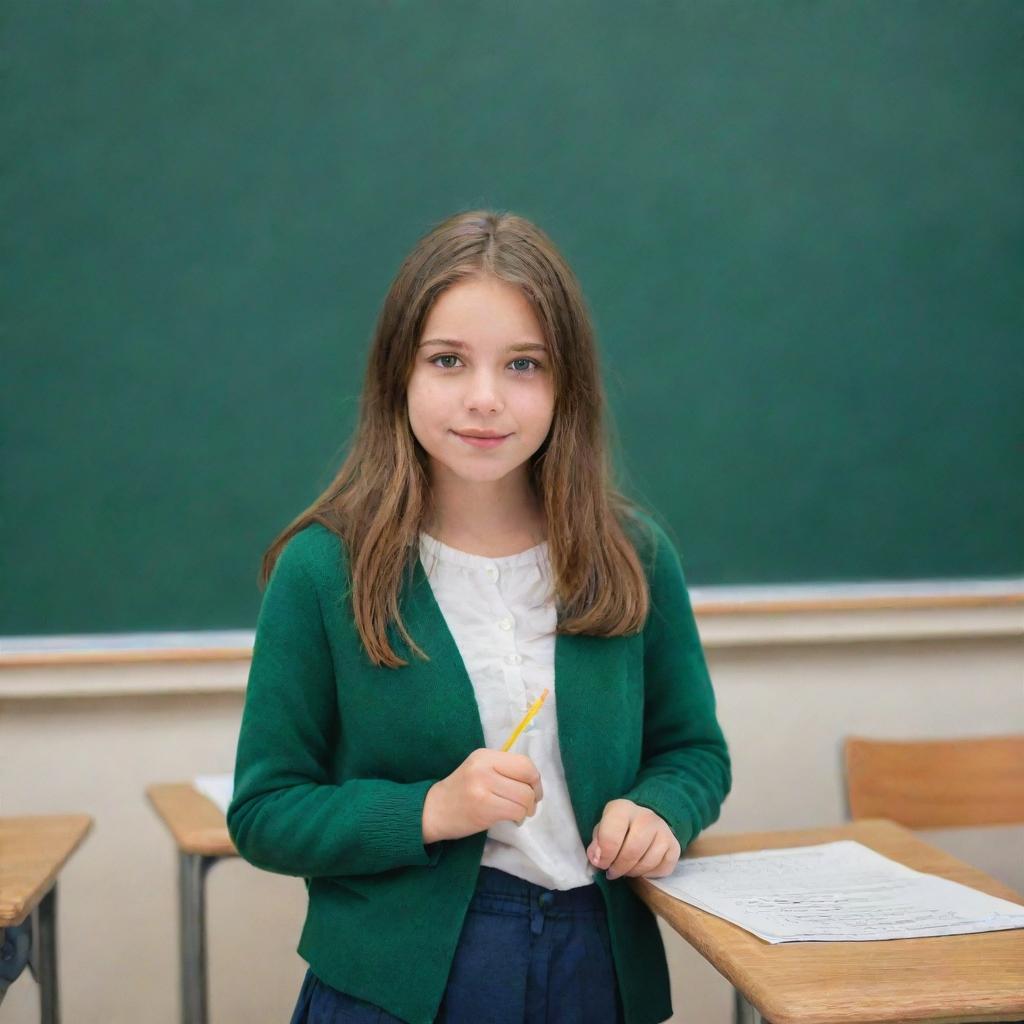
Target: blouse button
{"type": "Point", "coordinates": [492, 572]}
{"type": "Point", "coordinates": [505, 623]}
{"type": "Point", "coordinates": [513, 659]}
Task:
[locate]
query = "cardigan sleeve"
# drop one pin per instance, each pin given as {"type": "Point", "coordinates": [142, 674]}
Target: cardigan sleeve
{"type": "Point", "coordinates": [685, 772]}
{"type": "Point", "coordinates": [286, 813]}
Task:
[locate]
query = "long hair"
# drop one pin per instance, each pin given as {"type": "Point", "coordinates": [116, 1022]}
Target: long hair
{"type": "Point", "coordinates": [381, 496]}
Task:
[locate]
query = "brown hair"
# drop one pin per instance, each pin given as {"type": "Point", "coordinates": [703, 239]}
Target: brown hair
{"type": "Point", "coordinates": [379, 498]}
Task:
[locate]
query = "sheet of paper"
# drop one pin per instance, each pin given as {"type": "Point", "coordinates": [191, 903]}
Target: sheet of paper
{"type": "Point", "coordinates": [217, 787]}
{"type": "Point", "coordinates": [833, 892]}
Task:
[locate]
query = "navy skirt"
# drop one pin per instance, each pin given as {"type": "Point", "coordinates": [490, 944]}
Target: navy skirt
{"type": "Point", "coordinates": [526, 955]}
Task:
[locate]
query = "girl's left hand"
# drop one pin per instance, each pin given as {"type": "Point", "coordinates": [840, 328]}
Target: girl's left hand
{"type": "Point", "coordinates": [633, 840]}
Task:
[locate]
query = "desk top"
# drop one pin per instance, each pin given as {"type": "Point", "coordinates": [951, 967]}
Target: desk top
{"type": "Point", "coordinates": [945, 978]}
{"type": "Point", "coordinates": [195, 821]}
{"type": "Point", "coordinates": [33, 849]}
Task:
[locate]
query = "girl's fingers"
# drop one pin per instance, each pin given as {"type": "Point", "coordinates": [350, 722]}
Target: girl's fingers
{"type": "Point", "coordinates": [511, 809]}
{"type": "Point", "coordinates": [518, 792]}
{"type": "Point", "coordinates": [605, 854]}
{"type": "Point", "coordinates": [625, 864]}
{"type": "Point", "coordinates": [653, 859]}
{"type": "Point", "coordinates": [667, 865]}
{"type": "Point", "coordinates": [669, 860]}
{"type": "Point", "coordinates": [606, 849]}
{"type": "Point", "coordinates": [632, 844]}
{"type": "Point", "coordinates": [612, 829]}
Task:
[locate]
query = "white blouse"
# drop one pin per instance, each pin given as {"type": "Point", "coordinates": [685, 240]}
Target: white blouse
{"type": "Point", "coordinates": [501, 614]}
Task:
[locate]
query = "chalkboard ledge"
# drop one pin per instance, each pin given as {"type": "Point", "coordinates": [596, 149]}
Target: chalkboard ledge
{"type": "Point", "coordinates": [112, 664]}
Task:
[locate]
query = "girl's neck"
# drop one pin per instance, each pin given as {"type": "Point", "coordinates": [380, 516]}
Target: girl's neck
{"type": "Point", "coordinates": [481, 535]}
{"type": "Point", "coordinates": [502, 547]}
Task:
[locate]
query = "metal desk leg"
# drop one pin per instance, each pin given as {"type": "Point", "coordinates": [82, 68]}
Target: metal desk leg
{"type": "Point", "coordinates": [33, 944]}
{"type": "Point", "coordinates": [192, 869]}
{"type": "Point", "coordinates": [745, 1013]}
{"type": "Point", "coordinates": [45, 928]}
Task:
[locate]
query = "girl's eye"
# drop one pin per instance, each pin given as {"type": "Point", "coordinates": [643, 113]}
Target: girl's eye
{"type": "Point", "coordinates": [526, 371]}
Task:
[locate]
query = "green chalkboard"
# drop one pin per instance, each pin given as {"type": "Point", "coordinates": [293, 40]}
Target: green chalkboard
{"type": "Point", "coordinates": [799, 226]}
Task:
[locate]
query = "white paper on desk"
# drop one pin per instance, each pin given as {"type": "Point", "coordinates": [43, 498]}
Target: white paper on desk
{"type": "Point", "coordinates": [217, 787]}
{"type": "Point", "coordinates": [833, 892]}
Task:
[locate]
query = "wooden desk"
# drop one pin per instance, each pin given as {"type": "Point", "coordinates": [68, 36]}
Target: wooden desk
{"type": "Point", "coordinates": [947, 978]}
{"type": "Point", "coordinates": [201, 835]}
{"type": "Point", "coordinates": [32, 852]}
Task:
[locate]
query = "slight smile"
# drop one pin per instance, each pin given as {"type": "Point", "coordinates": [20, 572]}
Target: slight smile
{"type": "Point", "coordinates": [481, 442]}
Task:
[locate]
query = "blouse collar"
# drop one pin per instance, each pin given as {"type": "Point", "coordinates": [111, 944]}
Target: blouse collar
{"type": "Point", "coordinates": [433, 547]}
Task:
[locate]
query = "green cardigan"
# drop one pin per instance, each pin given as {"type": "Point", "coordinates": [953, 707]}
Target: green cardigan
{"type": "Point", "coordinates": [335, 757]}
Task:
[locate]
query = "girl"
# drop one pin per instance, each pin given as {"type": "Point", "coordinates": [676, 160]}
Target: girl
{"type": "Point", "coordinates": [472, 552]}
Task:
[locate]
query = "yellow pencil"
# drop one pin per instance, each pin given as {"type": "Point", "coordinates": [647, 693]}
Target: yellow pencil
{"type": "Point", "coordinates": [535, 707]}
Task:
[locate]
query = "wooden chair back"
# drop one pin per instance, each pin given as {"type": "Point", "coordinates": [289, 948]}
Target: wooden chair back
{"type": "Point", "coordinates": [935, 783]}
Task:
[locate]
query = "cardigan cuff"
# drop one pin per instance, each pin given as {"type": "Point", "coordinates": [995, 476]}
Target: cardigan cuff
{"type": "Point", "coordinates": [393, 825]}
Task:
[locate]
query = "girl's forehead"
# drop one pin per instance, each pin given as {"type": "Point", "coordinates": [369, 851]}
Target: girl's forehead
{"type": "Point", "coordinates": [482, 315]}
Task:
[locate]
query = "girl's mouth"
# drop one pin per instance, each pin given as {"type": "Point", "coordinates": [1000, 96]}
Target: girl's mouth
{"type": "Point", "coordinates": [482, 442]}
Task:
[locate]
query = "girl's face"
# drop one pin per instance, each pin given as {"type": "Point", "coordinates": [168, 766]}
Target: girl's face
{"type": "Point", "coordinates": [481, 367]}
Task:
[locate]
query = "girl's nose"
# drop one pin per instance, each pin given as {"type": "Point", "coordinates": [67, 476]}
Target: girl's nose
{"type": "Point", "coordinates": [483, 395]}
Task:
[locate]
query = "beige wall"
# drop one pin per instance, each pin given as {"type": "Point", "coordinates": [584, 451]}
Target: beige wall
{"type": "Point", "coordinates": [784, 707]}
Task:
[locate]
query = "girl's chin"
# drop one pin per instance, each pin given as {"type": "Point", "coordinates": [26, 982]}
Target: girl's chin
{"type": "Point", "coordinates": [472, 470]}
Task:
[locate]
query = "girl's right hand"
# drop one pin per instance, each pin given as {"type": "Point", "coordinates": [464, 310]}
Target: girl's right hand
{"type": "Point", "coordinates": [488, 787]}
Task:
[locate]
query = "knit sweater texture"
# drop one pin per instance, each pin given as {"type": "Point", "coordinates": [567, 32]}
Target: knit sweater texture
{"type": "Point", "coordinates": [335, 757]}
